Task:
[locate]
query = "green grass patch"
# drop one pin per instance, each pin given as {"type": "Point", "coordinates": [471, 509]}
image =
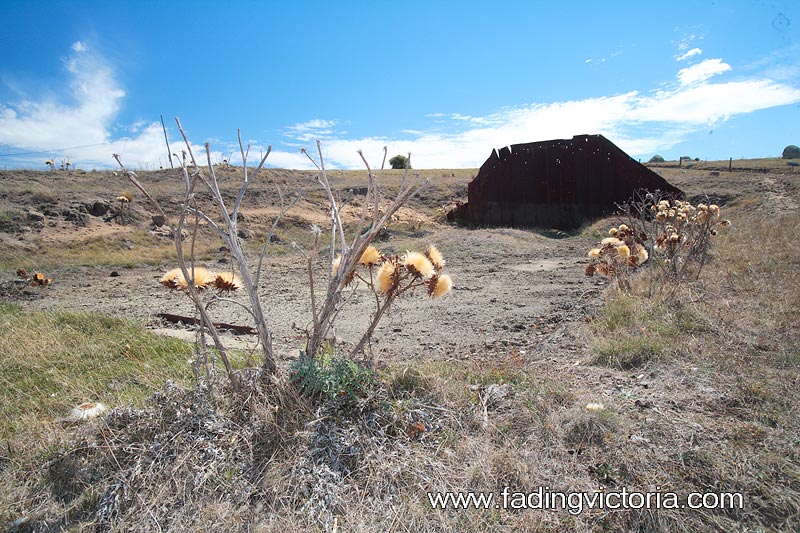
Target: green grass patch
{"type": "Point", "coordinates": [630, 332]}
{"type": "Point", "coordinates": [627, 353]}
{"type": "Point", "coordinates": [52, 361]}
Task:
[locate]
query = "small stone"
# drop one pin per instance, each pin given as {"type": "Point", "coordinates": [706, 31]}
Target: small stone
{"type": "Point", "coordinates": [158, 220]}
{"type": "Point", "coordinates": [114, 274]}
{"type": "Point", "coordinates": [98, 209]}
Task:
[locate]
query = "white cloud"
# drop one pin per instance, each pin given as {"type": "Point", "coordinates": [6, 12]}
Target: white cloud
{"type": "Point", "coordinates": [638, 123]}
{"type": "Point", "coordinates": [702, 71]}
{"type": "Point", "coordinates": [84, 121]}
{"type": "Point", "coordinates": [312, 129]}
{"type": "Point", "coordinates": [690, 53]}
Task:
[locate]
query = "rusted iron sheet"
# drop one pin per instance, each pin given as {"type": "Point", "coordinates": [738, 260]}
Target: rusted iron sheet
{"type": "Point", "coordinates": [556, 184]}
{"type": "Point", "coordinates": [169, 317]}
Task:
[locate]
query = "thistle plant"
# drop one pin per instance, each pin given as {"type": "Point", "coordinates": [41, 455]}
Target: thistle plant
{"type": "Point", "coordinates": [354, 257]}
{"type": "Point", "coordinates": [619, 255]}
{"type": "Point", "coordinates": [671, 235]}
{"type": "Point", "coordinates": [391, 276]}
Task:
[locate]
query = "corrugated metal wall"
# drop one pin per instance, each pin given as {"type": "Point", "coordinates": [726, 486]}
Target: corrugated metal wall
{"type": "Point", "coordinates": [555, 184]}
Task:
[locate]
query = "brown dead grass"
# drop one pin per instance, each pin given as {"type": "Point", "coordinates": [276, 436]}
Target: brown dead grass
{"type": "Point", "coordinates": [704, 402]}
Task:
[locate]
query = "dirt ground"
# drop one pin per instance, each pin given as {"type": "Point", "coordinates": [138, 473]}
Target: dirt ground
{"type": "Point", "coordinates": [510, 353]}
{"type": "Point", "coordinates": [513, 288]}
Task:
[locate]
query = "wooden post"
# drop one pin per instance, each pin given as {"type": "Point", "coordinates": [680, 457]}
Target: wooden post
{"type": "Point", "coordinates": [166, 140]}
{"type": "Point", "coordinates": [730, 165]}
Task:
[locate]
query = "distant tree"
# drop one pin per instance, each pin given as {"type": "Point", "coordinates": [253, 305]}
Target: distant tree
{"type": "Point", "coordinates": [399, 161]}
{"type": "Point", "coordinates": [656, 159]}
{"type": "Point", "coordinates": [791, 152]}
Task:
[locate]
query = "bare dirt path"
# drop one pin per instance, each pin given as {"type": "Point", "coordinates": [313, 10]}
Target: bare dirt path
{"type": "Point", "coordinates": [511, 288]}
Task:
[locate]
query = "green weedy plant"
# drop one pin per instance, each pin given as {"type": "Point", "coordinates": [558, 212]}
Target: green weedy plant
{"type": "Point", "coordinates": [331, 376]}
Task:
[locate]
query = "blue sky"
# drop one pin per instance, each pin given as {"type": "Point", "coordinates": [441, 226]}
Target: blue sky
{"type": "Point", "coordinates": [446, 81]}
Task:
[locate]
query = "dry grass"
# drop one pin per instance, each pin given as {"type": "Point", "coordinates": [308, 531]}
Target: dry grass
{"type": "Point", "coordinates": [699, 395]}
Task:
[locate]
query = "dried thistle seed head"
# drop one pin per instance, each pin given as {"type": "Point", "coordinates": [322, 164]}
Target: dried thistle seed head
{"type": "Point", "coordinates": [623, 251]}
{"type": "Point", "coordinates": [602, 269]}
{"type": "Point", "coordinates": [86, 411]}
{"type": "Point", "coordinates": [674, 237]}
{"type": "Point", "coordinates": [610, 240]}
{"type": "Point", "coordinates": [623, 228]}
{"type": "Point", "coordinates": [419, 265]}
{"type": "Point", "coordinates": [714, 210]}
{"type": "Point", "coordinates": [227, 282]}
{"type": "Point", "coordinates": [22, 273]}
{"type": "Point", "coordinates": [387, 279]}
{"type": "Point", "coordinates": [370, 257]}
{"type": "Point", "coordinates": [201, 277]}
{"type": "Point", "coordinates": [612, 232]}
{"type": "Point", "coordinates": [438, 286]}
{"type": "Point", "coordinates": [435, 257]}
{"type": "Point", "coordinates": [174, 279]}
{"type": "Point", "coordinates": [171, 278]}
{"type": "Point", "coordinates": [594, 253]}
{"type": "Point", "coordinates": [595, 407]}
{"type": "Point", "coordinates": [641, 253]}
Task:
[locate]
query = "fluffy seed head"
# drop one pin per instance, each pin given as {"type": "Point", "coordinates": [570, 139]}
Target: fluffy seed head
{"type": "Point", "coordinates": [594, 253]}
{"type": "Point", "coordinates": [610, 240]}
{"type": "Point", "coordinates": [385, 279]}
{"type": "Point", "coordinates": [595, 407]}
{"type": "Point", "coordinates": [86, 411]}
{"type": "Point", "coordinates": [612, 232]}
{"type": "Point", "coordinates": [174, 278]}
{"type": "Point", "coordinates": [418, 264]}
{"type": "Point", "coordinates": [641, 253]}
{"type": "Point", "coordinates": [435, 257]}
{"type": "Point", "coordinates": [623, 251]}
{"type": "Point", "coordinates": [443, 285]}
{"type": "Point", "coordinates": [370, 257]}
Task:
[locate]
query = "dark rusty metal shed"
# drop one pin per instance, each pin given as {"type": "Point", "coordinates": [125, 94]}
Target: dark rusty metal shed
{"type": "Point", "coordinates": [556, 184]}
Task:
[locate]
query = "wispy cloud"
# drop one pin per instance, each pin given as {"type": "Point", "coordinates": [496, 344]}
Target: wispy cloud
{"type": "Point", "coordinates": [702, 71]}
{"type": "Point", "coordinates": [640, 123]}
{"type": "Point", "coordinates": [689, 53]}
{"type": "Point", "coordinates": [84, 119]}
{"type": "Point", "coordinates": [312, 129]}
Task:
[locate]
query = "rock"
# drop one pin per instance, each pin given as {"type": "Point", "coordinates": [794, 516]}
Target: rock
{"type": "Point", "coordinates": [114, 274]}
{"type": "Point", "coordinates": [243, 233]}
{"type": "Point", "coordinates": [494, 393]}
{"type": "Point", "coordinates": [99, 209]}
{"type": "Point", "coordinates": [35, 216]}
{"type": "Point", "coordinates": [158, 220]}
